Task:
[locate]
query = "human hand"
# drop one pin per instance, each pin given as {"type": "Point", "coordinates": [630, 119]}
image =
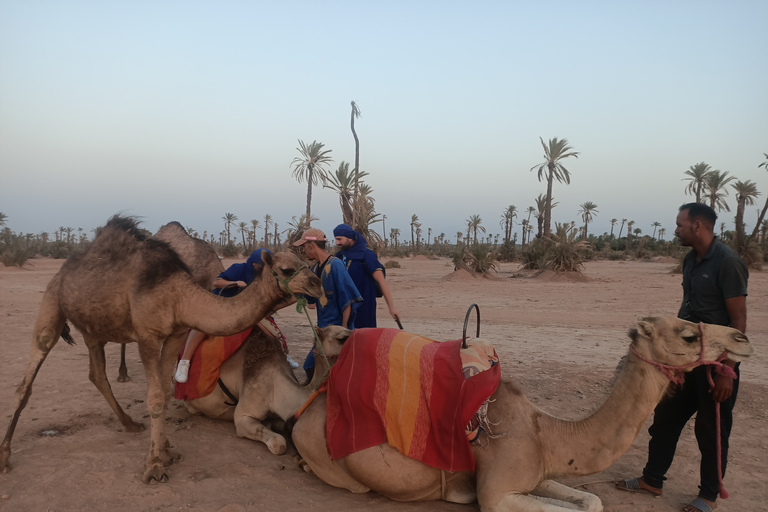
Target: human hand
{"type": "Point", "coordinates": [241, 284]}
{"type": "Point", "coordinates": [722, 389]}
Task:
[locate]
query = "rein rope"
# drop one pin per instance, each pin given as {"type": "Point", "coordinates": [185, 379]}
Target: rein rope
{"type": "Point", "coordinates": [675, 375]}
{"type": "Point", "coordinates": [301, 307]}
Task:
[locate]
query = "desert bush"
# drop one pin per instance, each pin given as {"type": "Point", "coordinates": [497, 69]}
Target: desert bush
{"type": "Point", "coordinates": [507, 252]}
{"type": "Point", "coordinates": [616, 256]}
{"type": "Point", "coordinates": [15, 257]}
{"type": "Point", "coordinates": [229, 250]}
{"type": "Point", "coordinates": [392, 264]}
{"type": "Point", "coordinates": [481, 259]}
{"type": "Point", "coordinates": [534, 256]}
{"type": "Point", "coordinates": [565, 253]}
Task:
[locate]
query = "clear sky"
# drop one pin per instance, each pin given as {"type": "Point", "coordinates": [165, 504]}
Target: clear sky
{"type": "Point", "coordinates": [187, 110]}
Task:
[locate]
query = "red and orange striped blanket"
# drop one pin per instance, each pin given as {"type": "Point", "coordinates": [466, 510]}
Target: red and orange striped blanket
{"type": "Point", "coordinates": [393, 387]}
{"type": "Point", "coordinates": [206, 363]}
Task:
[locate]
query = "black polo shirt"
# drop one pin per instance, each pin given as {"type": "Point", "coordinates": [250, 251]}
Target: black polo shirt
{"type": "Point", "coordinates": [721, 274]}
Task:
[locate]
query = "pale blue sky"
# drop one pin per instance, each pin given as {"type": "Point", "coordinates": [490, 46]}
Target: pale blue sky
{"type": "Point", "coordinates": [187, 110]}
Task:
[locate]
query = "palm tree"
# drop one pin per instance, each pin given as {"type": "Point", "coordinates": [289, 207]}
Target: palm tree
{"type": "Point", "coordinates": [355, 114]}
{"type": "Point", "coordinates": [661, 233]}
{"type": "Point", "coordinates": [507, 221]}
{"type": "Point", "coordinates": [552, 169]}
{"type": "Point", "coordinates": [310, 166]}
{"type": "Point", "coordinates": [655, 225]}
{"type": "Point", "coordinates": [394, 234]}
{"type": "Point", "coordinates": [716, 191]}
{"type": "Point", "coordinates": [343, 182]}
{"type": "Point", "coordinates": [242, 228]}
{"type": "Point", "coordinates": [3, 218]}
{"type": "Point", "coordinates": [629, 231]}
{"type": "Point", "coordinates": [762, 213]}
{"type": "Point", "coordinates": [587, 211]}
{"type": "Point", "coordinates": [429, 234]}
{"type": "Point", "coordinates": [697, 179]}
{"type": "Point", "coordinates": [746, 193]}
{"type": "Point", "coordinates": [255, 224]}
{"type": "Point", "coordinates": [229, 219]}
{"type": "Point", "coordinates": [475, 223]}
{"type": "Point", "coordinates": [414, 223]}
{"type": "Point", "coordinates": [613, 223]}
{"type": "Point", "coordinates": [267, 225]}
{"type": "Point", "coordinates": [525, 223]}
{"type": "Point", "coordinates": [621, 227]}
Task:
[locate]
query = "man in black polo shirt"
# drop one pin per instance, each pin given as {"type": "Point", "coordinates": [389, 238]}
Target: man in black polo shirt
{"type": "Point", "coordinates": [715, 292]}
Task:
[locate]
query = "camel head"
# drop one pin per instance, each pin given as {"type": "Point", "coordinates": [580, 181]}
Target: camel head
{"type": "Point", "coordinates": [332, 338]}
{"type": "Point", "coordinates": [291, 272]}
{"type": "Point", "coordinates": [675, 342]}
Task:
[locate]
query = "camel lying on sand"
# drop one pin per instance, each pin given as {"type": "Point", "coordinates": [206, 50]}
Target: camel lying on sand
{"type": "Point", "coordinates": [261, 381]}
{"type": "Point", "coordinates": [130, 288]}
{"type": "Point", "coordinates": [203, 263]}
{"type": "Point", "coordinates": [515, 472]}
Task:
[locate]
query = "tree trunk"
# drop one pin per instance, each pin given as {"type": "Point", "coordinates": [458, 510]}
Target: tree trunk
{"type": "Point", "coordinates": [548, 206]}
{"type": "Point", "coordinates": [310, 175]}
{"type": "Point", "coordinates": [356, 196]}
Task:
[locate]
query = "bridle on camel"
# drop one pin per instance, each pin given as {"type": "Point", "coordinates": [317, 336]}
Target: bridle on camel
{"type": "Point", "coordinates": [675, 375]}
{"type": "Point", "coordinates": [301, 307]}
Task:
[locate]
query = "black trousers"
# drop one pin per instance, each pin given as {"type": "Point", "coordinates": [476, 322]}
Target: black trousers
{"type": "Point", "coordinates": [670, 417]}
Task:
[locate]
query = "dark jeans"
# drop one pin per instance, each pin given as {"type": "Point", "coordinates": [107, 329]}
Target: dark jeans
{"type": "Point", "coordinates": [670, 417]}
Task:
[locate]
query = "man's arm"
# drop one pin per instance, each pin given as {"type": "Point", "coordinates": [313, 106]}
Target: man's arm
{"type": "Point", "coordinates": [345, 316]}
{"type": "Point", "coordinates": [737, 310]}
{"type": "Point", "coordinates": [378, 276]}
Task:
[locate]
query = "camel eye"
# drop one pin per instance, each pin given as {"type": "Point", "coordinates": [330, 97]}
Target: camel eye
{"type": "Point", "coordinates": [690, 339]}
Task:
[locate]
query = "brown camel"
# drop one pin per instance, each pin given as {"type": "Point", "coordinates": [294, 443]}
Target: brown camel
{"type": "Point", "coordinates": [515, 472]}
{"type": "Point", "coordinates": [263, 385]}
{"type": "Point", "coordinates": [127, 287]}
{"type": "Point", "coordinates": [203, 263]}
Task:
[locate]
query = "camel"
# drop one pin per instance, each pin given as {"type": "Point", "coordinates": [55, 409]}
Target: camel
{"type": "Point", "coordinates": [263, 385]}
{"type": "Point", "coordinates": [203, 263]}
{"type": "Point", "coordinates": [515, 472]}
{"type": "Point", "coordinates": [130, 288]}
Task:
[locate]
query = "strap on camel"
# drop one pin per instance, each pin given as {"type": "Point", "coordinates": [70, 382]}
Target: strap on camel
{"type": "Point", "coordinates": [229, 394]}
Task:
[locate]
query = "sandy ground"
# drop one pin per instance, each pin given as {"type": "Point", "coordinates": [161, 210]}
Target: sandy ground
{"type": "Point", "coordinates": [559, 338]}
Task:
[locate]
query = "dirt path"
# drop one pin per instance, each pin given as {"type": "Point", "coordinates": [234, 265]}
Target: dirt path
{"type": "Point", "coordinates": [559, 338]}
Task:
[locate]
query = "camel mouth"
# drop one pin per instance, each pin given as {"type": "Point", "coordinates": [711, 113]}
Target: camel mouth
{"type": "Point", "coordinates": [738, 357]}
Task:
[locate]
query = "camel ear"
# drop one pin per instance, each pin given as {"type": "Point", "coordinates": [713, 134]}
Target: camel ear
{"type": "Point", "coordinates": [266, 257]}
{"type": "Point", "coordinates": [645, 325]}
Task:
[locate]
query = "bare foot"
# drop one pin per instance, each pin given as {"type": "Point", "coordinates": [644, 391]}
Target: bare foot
{"type": "Point", "coordinates": [627, 485]}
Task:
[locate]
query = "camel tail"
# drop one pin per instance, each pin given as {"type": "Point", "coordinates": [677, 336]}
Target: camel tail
{"type": "Point", "coordinates": [66, 335]}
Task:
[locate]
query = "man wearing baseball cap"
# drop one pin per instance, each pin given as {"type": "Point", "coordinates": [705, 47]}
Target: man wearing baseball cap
{"type": "Point", "coordinates": [340, 298]}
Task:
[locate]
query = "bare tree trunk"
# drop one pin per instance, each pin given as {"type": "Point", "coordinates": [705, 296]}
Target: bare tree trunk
{"type": "Point", "coordinates": [310, 175]}
{"type": "Point", "coordinates": [355, 113]}
{"type": "Point", "coordinates": [548, 207]}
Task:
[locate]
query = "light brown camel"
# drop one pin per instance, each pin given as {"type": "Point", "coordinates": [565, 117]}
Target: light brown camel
{"type": "Point", "coordinates": [515, 472]}
{"type": "Point", "coordinates": [127, 287]}
{"type": "Point", "coordinates": [203, 263]}
{"type": "Point", "coordinates": [261, 381]}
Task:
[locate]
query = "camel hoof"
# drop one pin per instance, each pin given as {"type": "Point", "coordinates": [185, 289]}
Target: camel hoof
{"type": "Point", "coordinates": [123, 378]}
{"type": "Point", "coordinates": [277, 446]}
{"type": "Point", "coordinates": [156, 473]}
{"type": "Point", "coordinates": [134, 427]}
{"type": "Point", "coordinates": [303, 464]}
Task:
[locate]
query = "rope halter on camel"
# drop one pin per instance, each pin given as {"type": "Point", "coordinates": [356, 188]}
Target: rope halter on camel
{"type": "Point", "coordinates": [675, 375]}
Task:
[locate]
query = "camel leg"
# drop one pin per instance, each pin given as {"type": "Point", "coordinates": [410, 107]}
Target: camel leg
{"type": "Point", "coordinates": [122, 374]}
{"type": "Point", "coordinates": [159, 359]}
{"type": "Point", "coordinates": [48, 328]}
{"type": "Point", "coordinates": [98, 376]}
{"type": "Point", "coordinates": [250, 427]}
{"type": "Point", "coordinates": [549, 496]}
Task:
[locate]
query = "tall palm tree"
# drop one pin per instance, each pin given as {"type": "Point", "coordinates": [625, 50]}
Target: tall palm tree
{"type": "Point", "coordinates": [507, 221]}
{"type": "Point", "coordinates": [343, 182]}
{"type": "Point", "coordinates": [715, 187]}
{"type": "Point", "coordinates": [458, 237]}
{"type": "Point", "coordinates": [697, 179]}
{"type": "Point", "coordinates": [613, 223]}
{"type": "Point", "coordinates": [229, 219]}
{"type": "Point", "coordinates": [661, 233]}
{"type": "Point", "coordinates": [655, 225]}
{"type": "Point", "coordinates": [267, 225]}
{"type": "Point", "coordinates": [414, 223]}
{"type": "Point", "coordinates": [587, 211]}
{"type": "Point", "coordinates": [552, 169]}
{"type": "Point", "coordinates": [310, 166]}
{"type": "Point", "coordinates": [3, 219]}
{"type": "Point", "coordinates": [276, 239]}
{"type": "Point", "coordinates": [355, 115]}
{"type": "Point", "coordinates": [475, 223]}
{"type": "Point", "coordinates": [255, 224]}
{"type": "Point", "coordinates": [621, 227]}
{"type": "Point", "coordinates": [394, 234]}
{"type": "Point", "coordinates": [429, 234]}
{"type": "Point", "coordinates": [242, 228]}
{"type": "Point", "coordinates": [746, 193]}
{"type": "Point", "coordinates": [629, 231]}
{"type": "Point", "coordinates": [525, 223]}
{"type": "Point", "coordinates": [762, 213]}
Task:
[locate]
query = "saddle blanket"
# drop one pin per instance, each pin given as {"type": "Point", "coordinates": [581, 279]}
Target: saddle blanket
{"type": "Point", "coordinates": [393, 387]}
{"type": "Point", "coordinates": [206, 363]}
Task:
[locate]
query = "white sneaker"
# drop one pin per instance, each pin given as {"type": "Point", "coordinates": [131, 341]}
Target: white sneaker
{"type": "Point", "coordinates": [291, 362]}
{"type": "Point", "coordinates": [182, 371]}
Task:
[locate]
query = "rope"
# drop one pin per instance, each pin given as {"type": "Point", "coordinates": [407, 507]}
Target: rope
{"type": "Point", "coordinates": [675, 375]}
{"type": "Point", "coordinates": [301, 307]}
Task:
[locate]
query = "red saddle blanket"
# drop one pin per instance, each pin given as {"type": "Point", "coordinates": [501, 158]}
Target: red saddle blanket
{"type": "Point", "coordinates": [393, 387]}
{"type": "Point", "coordinates": [206, 363]}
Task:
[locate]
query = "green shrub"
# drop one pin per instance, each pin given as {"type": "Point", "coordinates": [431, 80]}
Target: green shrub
{"type": "Point", "coordinates": [392, 264]}
{"type": "Point", "coordinates": [230, 250]}
{"type": "Point", "coordinates": [16, 257]}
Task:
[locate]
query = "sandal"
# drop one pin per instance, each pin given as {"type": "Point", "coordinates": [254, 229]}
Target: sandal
{"type": "Point", "coordinates": [636, 485]}
{"type": "Point", "coordinates": [700, 505]}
